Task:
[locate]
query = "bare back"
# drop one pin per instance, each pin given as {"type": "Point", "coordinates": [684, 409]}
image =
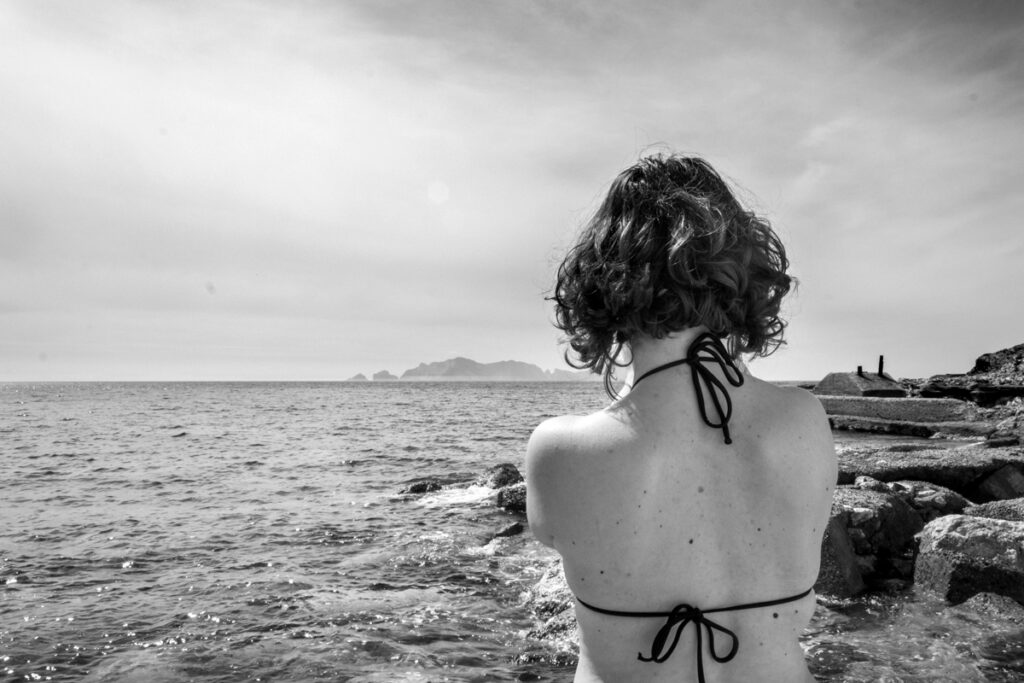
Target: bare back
{"type": "Point", "coordinates": [649, 508]}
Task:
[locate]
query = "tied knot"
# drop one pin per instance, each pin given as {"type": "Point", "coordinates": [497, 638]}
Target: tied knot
{"type": "Point", "coordinates": [708, 348]}
{"type": "Point", "coordinates": [677, 620]}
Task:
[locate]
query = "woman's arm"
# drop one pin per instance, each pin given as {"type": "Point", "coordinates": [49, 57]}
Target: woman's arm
{"type": "Point", "coordinates": [545, 471]}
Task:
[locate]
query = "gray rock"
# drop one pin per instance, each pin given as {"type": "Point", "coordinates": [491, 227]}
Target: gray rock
{"type": "Point", "coordinates": [961, 556]}
{"type": "Point", "coordinates": [552, 603]}
{"type": "Point", "coordinates": [927, 499]}
{"type": "Point", "coordinates": [513, 498]}
{"type": "Point", "coordinates": [501, 475]}
{"type": "Point", "coordinates": [974, 388]}
{"type": "Point", "coordinates": [551, 594]}
{"type": "Point", "coordinates": [958, 469]}
{"type": "Point", "coordinates": [839, 575]}
{"type": "Point", "coordinates": [513, 529]}
{"type": "Point", "coordinates": [998, 606]}
{"type": "Point", "coordinates": [1006, 482]}
{"type": "Point", "coordinates": [1011, 510]}
{"type": "Point", "coordinates": [881, 527]}
{"type": "Point", "coordinates": [894, 427]}
{"type": "Point", "coordinates": [999, 439]}
{"type": "Point", "coordinates": [1006, 365]}
{"type": "Point", "coordinates": [423, 486]}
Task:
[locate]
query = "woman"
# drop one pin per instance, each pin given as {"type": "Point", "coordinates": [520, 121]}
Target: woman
{"type": "Point", "coordinates": [689, 514]}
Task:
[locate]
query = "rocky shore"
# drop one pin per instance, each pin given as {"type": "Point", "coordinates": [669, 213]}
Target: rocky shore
{"type": "Point", "coordinates": [944, 515]}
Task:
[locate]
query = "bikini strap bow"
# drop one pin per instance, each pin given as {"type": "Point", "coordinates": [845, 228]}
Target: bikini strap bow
{"type": "Point", "coordinates": [708, 348]}
{"type": "Point", "coordinates": [678, 619]}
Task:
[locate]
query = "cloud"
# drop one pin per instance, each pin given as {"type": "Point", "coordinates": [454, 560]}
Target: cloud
{"type": "Point", "coordinates": [401, 178]}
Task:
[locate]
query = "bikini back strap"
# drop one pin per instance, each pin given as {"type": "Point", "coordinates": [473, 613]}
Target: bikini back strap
{"type": "Point", "coordinates": [704, 349]}
{"type": "Point", "coordinates": [680, 617]}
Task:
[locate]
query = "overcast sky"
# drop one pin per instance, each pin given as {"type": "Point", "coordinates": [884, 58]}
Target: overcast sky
{"type": "Point", "coordinates": [307, 190]}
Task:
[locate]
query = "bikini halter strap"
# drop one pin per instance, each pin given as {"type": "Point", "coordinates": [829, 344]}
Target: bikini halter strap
{"type": "Point", "coordinates": [708, 348]}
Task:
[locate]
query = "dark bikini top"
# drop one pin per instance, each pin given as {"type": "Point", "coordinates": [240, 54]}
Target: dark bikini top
{"type": "Point", "coordinates": [705, 348]}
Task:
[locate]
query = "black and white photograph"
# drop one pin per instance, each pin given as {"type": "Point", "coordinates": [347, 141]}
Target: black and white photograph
{"type": "Point", "coordinates": [425, 341]}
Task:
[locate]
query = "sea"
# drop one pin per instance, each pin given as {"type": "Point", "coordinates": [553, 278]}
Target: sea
{"type": "Point", "coordinates": [258, 532]}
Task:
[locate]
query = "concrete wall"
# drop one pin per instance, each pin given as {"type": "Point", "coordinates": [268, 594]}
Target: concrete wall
{"type": "Point", "coordinates": [902, 409]}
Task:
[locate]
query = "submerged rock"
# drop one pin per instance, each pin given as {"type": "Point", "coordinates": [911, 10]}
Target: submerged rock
{"type": "Point", "coordinates": [513, 529]}
{"type": "Point", "coordinates": [422, 486]}
{"type": "Point", "coordinates": [992, 604]}
{"type": "Point", "coordinates": [962, 555]}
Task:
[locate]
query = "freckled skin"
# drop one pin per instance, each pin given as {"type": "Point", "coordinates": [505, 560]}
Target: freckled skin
{"type": "Point", "coordinates": [649, 509]}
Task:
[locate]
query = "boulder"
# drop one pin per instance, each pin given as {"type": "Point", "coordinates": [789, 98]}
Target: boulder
{"type": "Point", "coordinates": [928, 500]}
{"type": "Point", "coordinates": [513, 498]}
{"type": "Point", "coordinates": [881, 526]}
{"type": "Point", "coordinates": [1011, 510]}
{"type": "Point", "coordinates": [962, 555]}
{"type": "Point", "coordinates": [501, 475]}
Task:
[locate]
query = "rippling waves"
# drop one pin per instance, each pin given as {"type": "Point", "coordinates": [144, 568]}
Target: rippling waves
{"type": "Point", "coordinates": [228, 532]}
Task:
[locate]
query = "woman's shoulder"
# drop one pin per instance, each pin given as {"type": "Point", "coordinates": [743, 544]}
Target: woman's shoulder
{"type": "Point", "coordinates": [550, 467]}
{"type": "Point", "coordinates": [555, 435]}
{"type": "Point", "coordinates": [560, 445]}
{"type": "Point", "coordinates": [801, 427]}
{"type": "Point", "coordinates": [792, 404]}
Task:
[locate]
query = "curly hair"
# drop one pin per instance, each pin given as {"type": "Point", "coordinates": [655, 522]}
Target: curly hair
{"type": "Point", "coordinates": [670, 248]}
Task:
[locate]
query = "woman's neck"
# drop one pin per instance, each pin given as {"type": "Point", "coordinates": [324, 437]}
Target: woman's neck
{"type": "Point", "coordinates": [648, 352]}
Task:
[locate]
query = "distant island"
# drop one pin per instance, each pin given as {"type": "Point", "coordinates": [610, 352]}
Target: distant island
{"type": "Point", "coordinates": [467, 370]}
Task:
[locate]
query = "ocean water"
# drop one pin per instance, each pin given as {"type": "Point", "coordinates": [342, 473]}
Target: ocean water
{"type": "Point", "coordinates": [255, 532]}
